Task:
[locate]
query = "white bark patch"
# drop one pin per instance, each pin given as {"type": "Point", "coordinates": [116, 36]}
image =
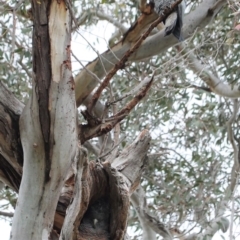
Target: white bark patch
{"type": "Point", "coordinates": [44, 234]}
{"type": "Point", "coordinates": [58, 26]}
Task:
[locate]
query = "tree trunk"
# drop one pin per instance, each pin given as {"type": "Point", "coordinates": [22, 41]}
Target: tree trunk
{"type": "Point", "coordinates": [47, 124]}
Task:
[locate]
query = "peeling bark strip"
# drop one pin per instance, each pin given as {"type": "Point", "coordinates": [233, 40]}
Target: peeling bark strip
{"type": "Point", "coordinates": [42, 69]}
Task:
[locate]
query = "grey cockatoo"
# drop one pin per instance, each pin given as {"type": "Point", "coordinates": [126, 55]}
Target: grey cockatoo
{"type": "Point", "coordinates": [174, 22]}
{"type": "Point", "coordinates": [150, 12]}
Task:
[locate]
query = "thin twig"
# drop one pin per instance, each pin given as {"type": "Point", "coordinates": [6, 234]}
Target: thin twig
{"type": "Point", "coordinates": [105, 138]}
{"type": "Point", "coordinates": [102, 15]}
{"type": "Point", "coordinates": [24, 67]}
{"type": "Point", "coordinates": [235, 168]}
{"type": "Point", "coordinates": [231, 221]}
{"type": "Point", "coordinates": [6, 214]}
{"type": "Point", "coordinates": [230, 131]}
{"type": "Point", "coordinates": [130, 105]}
{"type": "Point", "coordinates": [110, 151]}
{"type": "Point", "coordinates": [13, 35]}
{"type": "Point", "coordinates": [88, 71]}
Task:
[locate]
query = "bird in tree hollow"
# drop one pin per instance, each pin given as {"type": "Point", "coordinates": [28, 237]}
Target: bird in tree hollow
{"type": "Point", "coordinates": [173, 23]}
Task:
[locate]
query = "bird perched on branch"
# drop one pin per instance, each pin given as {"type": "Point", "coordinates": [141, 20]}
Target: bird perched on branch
{"type": "Point", "coordinates": [174, 22]}
{"type": "Point", "coordinates": [151, 10]}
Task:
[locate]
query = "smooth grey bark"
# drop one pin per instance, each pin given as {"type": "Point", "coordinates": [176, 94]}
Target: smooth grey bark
{"type": "Point", "coordinates": [148, 233]}
{"type": "Point", "coordinates": [214, 82]}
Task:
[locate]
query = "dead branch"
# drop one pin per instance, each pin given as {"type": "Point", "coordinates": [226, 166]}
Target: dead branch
{"type": "Point", "coordinates": [97, 127]}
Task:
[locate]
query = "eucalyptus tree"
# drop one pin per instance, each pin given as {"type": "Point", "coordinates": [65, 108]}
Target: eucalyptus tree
{"type": "Point", "coordinates": [69, 164]}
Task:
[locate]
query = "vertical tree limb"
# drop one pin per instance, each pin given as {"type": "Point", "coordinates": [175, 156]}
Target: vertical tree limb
{"type": "Point", "coordinates": [48, 122]}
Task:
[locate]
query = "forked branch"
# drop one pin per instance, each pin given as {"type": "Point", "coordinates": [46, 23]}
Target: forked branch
{"type": "Point", "coordinates": [97, 127]}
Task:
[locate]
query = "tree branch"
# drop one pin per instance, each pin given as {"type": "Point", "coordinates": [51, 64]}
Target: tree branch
{"type": "Point", "coordinates": [139, 202]}
{"type": "Point", "coordinates": [215, 84]}
{"type": "Point", "coordinates": [102, 15]}
{"type": "Point", "coordinates": [153, 45]}
{"type": "Point", "coordinates": [72, 218]}
{"type": "Point", "coordinates": [6, 214]}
